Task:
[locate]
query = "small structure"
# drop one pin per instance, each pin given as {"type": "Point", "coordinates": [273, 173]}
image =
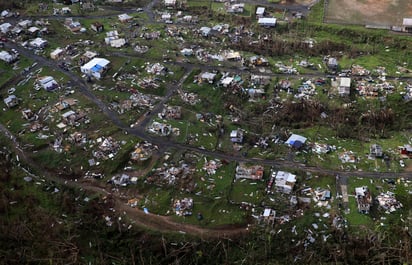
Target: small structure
{"type": "Point", "coordinates": [376, 151]}
{"type": "Point", "coordinates": [205, 31]}
{"type": "Point", "coordinates": [363, 199]}
{"type": "Point", "coordinates": [236, 136]}
{"type": "Point", "coordinates": [11, 101]}
{"type": "Point", "coordinates": [284, 181]}
{"type": "Point", "coordinates": [170, 3]}
{"type": "Point", "coordinates": [8, 57]}
{"type": "Point", "coordinates": [25, 23]}
{"type": "Point", "coordinates": [73, 26]}
{"type": "Point", "coordinates": [267, 21]}
{"type": "Point", "coordinates": [186, 52]}
{"type": "Point", "coordinates": [296, 141]}
{"type": "Point", "coordinates": [96, 67]}
{"type": "Point", "coordinates": [235, 8]}
{"type": "Point", "coordinates": [406, 150]}
{"type": "Point", "coordinates": [260, 12]}
{"type": "Point", "coordinates": [207, 77]}
{"type": "Point", "coordinates": [57, 53]}
{"type": "Point", "coordinates": [344, 86]}
{"type": "Point", "coordinates": [48, 83]}
{"type": "Point", "coordinates": [97, 27]}
{"type": "Point", "coordinates": [38, 43]}
{"type": "Point", "coordinates": [124, 18]}
{"type": "Point", "coordinates": [161, 129]}
{"type": "Point", "coordinates": [28, 114]}
{"type": "Point", "coordinates": [332, 64]}
{"type": "Point", "coordinates": [253, 172]}
{"type": "Point", "coordinates": [5, 27]}
{"type": "Point", "coordinates": [407, 25]}
{"type": "Point", "coordinates": [269, 215]}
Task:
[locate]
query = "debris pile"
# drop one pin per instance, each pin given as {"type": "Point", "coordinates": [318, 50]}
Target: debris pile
{"type": "Point", "coordinates": [347, 157]}
{"type": "Point", "coordinates": [107, 148]}
{"type": "Point", "coordinates": [143, 151]}
{"type": "Point", "coordinates": [211, 166]}
{"type": "Point", "coordinates": [388, 202]}
{"type": "Point", "coordinates": [183, 207]}
{"type": "Point", "coordinates": [174, 175]}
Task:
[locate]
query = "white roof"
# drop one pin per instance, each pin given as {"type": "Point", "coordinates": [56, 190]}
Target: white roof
{"type": "Point", "coordinates": [407, 22]}
{"type": "Point", "coordinates": [38, 42]}
{"type": "Point", "coordinates": [285, 176]}
{"type": "Point", "coordinates": [96, 61]}
{"type": "Point", "coordinates": [260, 11]}
{"type": "Point", "coordinates": [124, 17]}
{"type": "Point", "coordinates": [360, 191]}
{"type": "Point", "coordinates": [234, 133]}
{"type": "Point", "coordinates": [5, 27]}
{"type": "Point", "coordinates": [208, 75]}
{"type": "Point", "coordinates": [5, 56]}
{"type": "Point", "coordinates": [266, 213]}
{"type": "Point", "coordinates": [267, 21]}
{"type": "Point", "coordinates": [294, 138]}
{"type": "Point", "coordinates": [227, 80]}
{"type": "Point", "coordinates": [345, 81]}
{"type": "Point", "coordinates": [117, 43]}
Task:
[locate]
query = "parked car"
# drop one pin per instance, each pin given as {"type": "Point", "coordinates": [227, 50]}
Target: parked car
{"type": "Point", "coordinates": [401, 163]}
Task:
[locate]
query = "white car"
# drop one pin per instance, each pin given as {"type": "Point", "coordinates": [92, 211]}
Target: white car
{"type": "Point", "coordinates": [401, 163]}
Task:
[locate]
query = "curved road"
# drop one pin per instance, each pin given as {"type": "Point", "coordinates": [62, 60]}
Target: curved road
{"type": "Point", "coordinates": [140, 132]}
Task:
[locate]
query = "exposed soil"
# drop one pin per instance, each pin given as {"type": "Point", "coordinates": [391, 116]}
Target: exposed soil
{"type": "Point", "coordinates": [375, 12]}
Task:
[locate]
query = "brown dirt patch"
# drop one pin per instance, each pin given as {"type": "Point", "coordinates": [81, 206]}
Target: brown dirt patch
{"type": "Point", "coordinates": [374, 12]}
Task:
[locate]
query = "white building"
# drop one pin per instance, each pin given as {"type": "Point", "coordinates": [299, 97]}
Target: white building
{"type": "Point", "coordinates": [57, 53]}
{"type": "Point", "coordinates": [124, 18]}
{"type": "Point", "coordinates": [25, 23]}
{"type": "Point", "coordinates": [260, 11]}
{"type": "Point", "coordinates": [267, 21]}
{"type": "Point", "coordinates": [95, 67]}
{"type": "Point", "coordinates": [38, 43]}
{"type": "Point", "coordinates": [48, 83]}
{"type": "Point", "coordinates": [344, 86]}
{"type": "Point", "coordinates": [5, 27]}
{"type": "Point", "coordinates": [284, 181]}
{"type": "Point", "coordinates": [8, 57]}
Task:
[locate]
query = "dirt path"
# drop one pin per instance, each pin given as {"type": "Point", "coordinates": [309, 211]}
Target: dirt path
{"type": "Point", "coordinates": [166, 224]}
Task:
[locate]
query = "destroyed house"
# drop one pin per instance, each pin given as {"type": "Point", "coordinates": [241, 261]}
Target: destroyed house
{"type": "Point", "coordinates": [344, 86]}
{"type": "Point", "coordinates": [363, 199]}
{"type": "Point", "coordinates": [172, 112]}
{"type": "Point", "coordinates": [406, 150]}
{"type": "Point", "coordinates": [252, 172]}
{"type": "Point", "coordinates": [11, 101]}
{"type": "Point", "coordinates": [97, 27]}
{"type": "Point", "coordinates": [376, 151]}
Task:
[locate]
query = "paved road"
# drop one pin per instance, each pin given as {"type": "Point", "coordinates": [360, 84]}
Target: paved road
{"type": "Point", "coordinates": [164, 143]}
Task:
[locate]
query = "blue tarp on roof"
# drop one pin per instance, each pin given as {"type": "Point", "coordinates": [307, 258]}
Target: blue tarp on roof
{"type": "Point", "coordinates": [96, 68]}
